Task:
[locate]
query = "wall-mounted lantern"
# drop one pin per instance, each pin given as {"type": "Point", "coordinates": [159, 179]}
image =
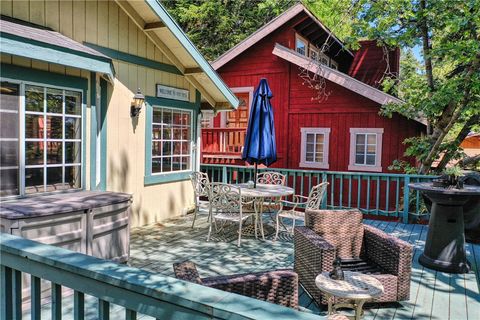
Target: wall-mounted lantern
{"type": "Point", "coordinates": [137, 103]}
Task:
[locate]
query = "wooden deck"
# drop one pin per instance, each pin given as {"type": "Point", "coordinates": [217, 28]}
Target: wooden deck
{"type": "Point", "coordinates": [434, 295]}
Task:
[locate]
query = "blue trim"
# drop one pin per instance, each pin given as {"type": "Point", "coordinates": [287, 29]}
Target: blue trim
{"type": "Point", "coordinates": [45, 77]}
{"type": "Point", "coordinates": [130, 58]}
{"type": "Point", "coordinates": [177, 32]}
{"type": "Point", "coordinates": [93, 130]}
{"type": "Point", "coordinates": [103, 134]}
{"type": "Point", "coordinates": [150, 178]}
{"type": "Point", "coordinates": [28, 48]}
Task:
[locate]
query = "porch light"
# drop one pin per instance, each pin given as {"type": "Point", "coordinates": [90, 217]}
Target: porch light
{"type": "Point", "coordinates": [137, 103]}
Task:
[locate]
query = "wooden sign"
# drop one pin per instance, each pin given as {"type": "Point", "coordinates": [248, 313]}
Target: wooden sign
{"type": "Point", "coordinates": [172, 93]}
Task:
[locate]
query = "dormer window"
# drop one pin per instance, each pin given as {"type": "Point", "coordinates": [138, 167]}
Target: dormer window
{"type": "Point", "coordinates": [323, 59]}
{"type": "Point", "coordinates": [313, 54]}
{"type": "Point", "coordinates": [333, 65]}
{"type": "Point", "coordinates": [301, 45]}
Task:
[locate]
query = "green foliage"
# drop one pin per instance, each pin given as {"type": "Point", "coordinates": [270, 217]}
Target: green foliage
{"type": "Point", "coordinates": [215, 26]}
{"type": "Point", "coordinates": [454, 171]}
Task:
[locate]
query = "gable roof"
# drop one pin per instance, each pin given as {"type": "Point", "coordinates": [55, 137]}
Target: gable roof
{"type": "Point", "coordinates": [268, 29]}
{"type": "Point", "coordinates": [337, 77]}
{"type": "Point", "coordinates": [167, 35]}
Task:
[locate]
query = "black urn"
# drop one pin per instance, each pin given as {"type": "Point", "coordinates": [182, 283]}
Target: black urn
{"type": "Point", "coordinates": [337, 272]}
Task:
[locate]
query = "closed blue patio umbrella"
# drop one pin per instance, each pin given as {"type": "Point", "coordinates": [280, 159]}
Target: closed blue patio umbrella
{"type": "Point", "coordinates": [260, 144]}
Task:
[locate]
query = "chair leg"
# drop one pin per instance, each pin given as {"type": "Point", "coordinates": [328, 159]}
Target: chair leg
{"type": "Point", "coordinates": [293, 225]}
{"type": "Point", "coordinates": [278, 228]}
{"type": "Point", "coordinates": [239, 233]}
{"type": "Point", "coordinates": [261, 227]}
{"type": "Point", "coordinates": [210, 229]}
{"type": "Point", "coordinates": [194, 216]}
{"type": "Point", "coordinates": [255, 225]}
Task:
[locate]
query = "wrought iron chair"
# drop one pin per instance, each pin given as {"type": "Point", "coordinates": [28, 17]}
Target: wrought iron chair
{"type": "Point", "coordinates": [279, 286]}
{"type": "Point", "coordinates": [271, 177]}
{"type": "Point", "coordinates": [328, 234]}
{"type": "Point", "coordinates": [228, 205]}
{"type": "Point", "coordinates": [201, 187]}
{"type": "Point", "coordinates": [313, 201]}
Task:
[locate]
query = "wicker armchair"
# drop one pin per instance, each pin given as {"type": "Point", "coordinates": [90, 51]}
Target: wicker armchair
{"type": "Point", "coordinates": [279, 286]}
{"type": "Point", "coordinates": [362, 248]}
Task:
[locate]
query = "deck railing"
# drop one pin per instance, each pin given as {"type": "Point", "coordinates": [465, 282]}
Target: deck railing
{"type": "Point", "coordinates": [136, 290]}
{"type": "Point", "coordinates": [227, 142]}
{"type": "Point", "coordinates": [382, 194]}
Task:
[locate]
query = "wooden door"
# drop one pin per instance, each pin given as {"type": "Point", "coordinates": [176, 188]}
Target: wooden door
{"type": "Point", "coordinates": [239, 117]}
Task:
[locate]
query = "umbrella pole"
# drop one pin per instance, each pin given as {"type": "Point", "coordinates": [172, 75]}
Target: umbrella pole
{"type": "Point", "coordinates": [255, 176]}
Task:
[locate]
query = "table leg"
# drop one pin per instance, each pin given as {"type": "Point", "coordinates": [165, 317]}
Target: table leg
{"type": "Point", "coordinates": [358, 309]}
{"type": "Point", "coordinates": [261, 220]}
{"type": "Point", "coordinates": [330, 303]}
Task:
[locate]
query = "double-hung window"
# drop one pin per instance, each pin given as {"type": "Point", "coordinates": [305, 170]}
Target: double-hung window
{"type": "Point", "coordinates": [366, 149]}
{"type": "Point", "coordinates": [314, 148]}
{"type": "Point", "coordinates": [171, 140]}
{"type": "Point", "coordinates": [41, 139]}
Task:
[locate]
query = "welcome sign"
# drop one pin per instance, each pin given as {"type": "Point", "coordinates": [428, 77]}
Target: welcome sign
{"type": "Point", "coordinates": [172, 93]}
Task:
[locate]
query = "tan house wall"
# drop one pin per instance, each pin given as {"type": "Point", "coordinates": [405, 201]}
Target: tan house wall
{"type": "Point", "coordinates": [105, 24]}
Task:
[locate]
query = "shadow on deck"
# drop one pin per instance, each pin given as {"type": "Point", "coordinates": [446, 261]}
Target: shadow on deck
{"type": "Point", "coordinates": [433, 295]}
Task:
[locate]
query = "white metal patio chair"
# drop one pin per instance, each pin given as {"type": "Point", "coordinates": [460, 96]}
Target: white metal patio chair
{"type": "Point", "coordinates": [201, 187]}
{"type": "Point", "coordinates": [228, 205]}
{"type": "Point", "coordinates": [274, 178]}
{"type": "Point", "coordinates": [313, 202]}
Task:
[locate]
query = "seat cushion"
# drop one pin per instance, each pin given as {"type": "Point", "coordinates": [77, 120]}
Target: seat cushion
{"type": "Point", "coordinates": [342, 228]}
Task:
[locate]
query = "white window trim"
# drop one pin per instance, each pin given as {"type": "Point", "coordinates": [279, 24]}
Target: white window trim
{"type": "Point", "coordinates": [249, 90]}
{"type": "Point", "coordinates": [303, 149]}
{"type": "Point", "coordinates": [21, 138]}
{"type": "Point", "coordinates": [305, 41]}
{"type": "Point", "coordinates": [378, 154]}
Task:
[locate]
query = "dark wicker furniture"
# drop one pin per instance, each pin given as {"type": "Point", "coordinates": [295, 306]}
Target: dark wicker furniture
{"type": "Point", "coordinates": [362, 248]}
{"type": "Point", "coordinates": [279, 286]}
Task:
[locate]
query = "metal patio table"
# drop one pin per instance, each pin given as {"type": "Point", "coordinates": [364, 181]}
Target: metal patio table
{"type": "Point", "coordinates": [260, 193]}
{"type": "Point", "coordinates": [445, 245]}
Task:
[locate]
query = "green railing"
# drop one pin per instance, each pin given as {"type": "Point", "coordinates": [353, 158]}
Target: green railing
{"type": "Point", "coordinates": [382, 194]}
{"type": "Point", "coordinates": [136, 290]}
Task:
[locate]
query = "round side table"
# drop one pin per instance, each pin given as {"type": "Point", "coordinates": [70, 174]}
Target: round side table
{"type": "Point", "coordinates": [356, 286]}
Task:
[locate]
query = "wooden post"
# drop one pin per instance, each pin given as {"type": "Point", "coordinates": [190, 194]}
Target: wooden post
{"type": "Point", "coordinates": [406, 200]}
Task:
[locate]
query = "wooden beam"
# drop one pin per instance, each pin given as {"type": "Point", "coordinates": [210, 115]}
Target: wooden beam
{"type": "Point", "coordinates": [189, 71]}
{"type": "Point", "coordinates": [154, 26]}
{"type": "Point", "coordinates": [200, 88]}
{"type": "Point", "coordinates": [223, 106]}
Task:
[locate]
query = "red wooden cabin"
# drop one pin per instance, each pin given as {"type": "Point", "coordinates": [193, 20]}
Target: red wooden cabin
{"type": "Point", "coordinates": [343, 132]}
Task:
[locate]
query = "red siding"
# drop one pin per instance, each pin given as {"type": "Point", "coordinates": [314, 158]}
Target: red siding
{"type": "Point", "coordinates": [294, 108]}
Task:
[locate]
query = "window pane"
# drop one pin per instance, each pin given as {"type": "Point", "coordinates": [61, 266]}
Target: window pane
{"type": "Point", "coordinates": [166, 164]}
{"type": "Point", "coordinates": [177, 118]}
{"type": "Point", "coordinates": [73, 128]}
{"type": "Point", "coordinates": [33, 126]}
{"type": "Point", "coordinates": [8, 182]}
{"type": "Point", "coordinates": [300, 46]}
{"type": "Point", "coordinates": [34, 153]}
{"type": "Point", "coordinates": [309, 156]}
{"type": "Point", "coordinates": [360, 159]}
{"type": "Point", "coordinates": [320, 138]}
{"type": "Point", "coordinates": [9, 97]}
{"type": "Point", "coordinates": [73, 177]}
{"type": "Point", "coordinates": [310, 147]}
{"type": "Point", "coordinates": [186, 119]}
{"type": "Point", "coordinates": [54, 127]}
{"type": "Point", "coordinates": [156, 131]}
{"type": "Point", "coordinates": [319, 157]}
{"type": "Point", "coordinates": [34, 180]}
{"type": "Point", "coordinates": [186, 134]}
{"type": "Point", "coordinates": [73, 152]}
{"type": "Point", "coordinates": [9, 153]}
{"type": "Point", "coordinates": [8, 125]}
{"type": "Point", "coordinates": [370, 159]}
{"type": "Point", "coordinates": [73, 102]}
{"type": "Point", "coordinates": [54, 101]}
{"type": "Point", "coordinates": [371, 149]}
{"type": "Point", "coordinates": [156, 148]}
{"type": "Point", "coordinates": [360, 139]}
{"type": "Point", "coordinates": [33, 98]}
{"type": "Point", "coordinates": [156, 165]}
{"type": "Point", "coordinates": [54, 179]}
{"type": "Point", "coordinates": [167, 132]}
{"type": "Point", "coordinates": [54, 153]}
{"type": "Point", "coordinates": [372, 139]}
{"type": "Point", "coordinates": [157, 115]}
{"type": "Point", "coordinates": [177, 133]}
{"type": "Point", "coordinates": [167, 148]}
{"type": "Point", "coordinates": [167, 117]}
{"type": "Point", "coordinates": [177, 148]}
{"type": "Point", "coordinates": [186, 148]}
{"type": "Point", "coordinates": [185, 163]}
{"type": "Point", "coordinates": [310, 138]}
{"type": "Point", "coordinates": [360, 149]}
{"type": "Point", "coordinates": [176, 164]}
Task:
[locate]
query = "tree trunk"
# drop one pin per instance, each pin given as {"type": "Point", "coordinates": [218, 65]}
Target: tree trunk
{"type": "Point", "coordinates": [459, 139]}
{"type": "Point", "coordinates": [426, 46]}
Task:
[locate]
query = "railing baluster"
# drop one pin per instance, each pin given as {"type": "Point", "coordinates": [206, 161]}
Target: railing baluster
{"type": "Point", "coordinates": [35, 291]}
{"type": "Point", "coordinates": [103, 310]}
{"type": "Point", "coordinates": [397, 197]}
{"type": "Point", "coordinates": [341, 191]}
{"type": "Point", "coordinates": [56, 301]}
{"type": "Point", "coordinates": [224, 174]}
{"type": "Point", "coordinates": [349, 191]}
{"type": "Point", "coordinates": [406, 199]}
{"type": "Point", "coordinates": [17, 294]}
{"type": "Point", "coordinates": [368, 195]}
{"type": "Point", "coordinates": [302, 180]}
{"type": "Point", "coordinates": [359, 192]}
{"type": "Point", "coordinates": [130, 315]}
{"type": "Point", "coordinates": [325, 195]}
{"type": "Point", "coordinates": [6, 287]}
{"type": "Point", "coordinates": [78, 305]}
{"type": "Point", "coordinates": [332, 191]}
{"type": "Point", "coordinates": [377, 196]}
{"type": "Point", "coordinates": [387, 197]}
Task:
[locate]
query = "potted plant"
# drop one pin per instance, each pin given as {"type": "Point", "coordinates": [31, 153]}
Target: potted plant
{"type": "Point", "coordinates": [452, 175]}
